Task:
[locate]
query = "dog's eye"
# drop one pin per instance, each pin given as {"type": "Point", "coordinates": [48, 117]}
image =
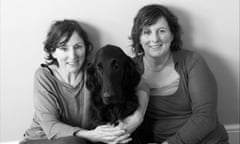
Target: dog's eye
{"type": "Point", "coordinates": [99, 67]}
{"type": "Point", "coordinates": [115, 65]}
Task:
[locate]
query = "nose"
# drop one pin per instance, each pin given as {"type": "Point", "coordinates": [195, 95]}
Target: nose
{"type": "Point", "coordinates": [154, 37]}
{"type": "Point", "coordinates": [106, 95]}
{"type": "Point", "coordinates": [72, 53]}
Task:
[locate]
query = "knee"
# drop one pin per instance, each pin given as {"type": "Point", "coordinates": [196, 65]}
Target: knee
{"type": "Point", "coordinates": [63, 140]}
{"type": "Point", "coordinates": [71, 140]}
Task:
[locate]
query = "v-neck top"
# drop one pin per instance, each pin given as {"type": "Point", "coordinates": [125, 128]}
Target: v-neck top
{"type": "Point", "coordinates": [60, 109]}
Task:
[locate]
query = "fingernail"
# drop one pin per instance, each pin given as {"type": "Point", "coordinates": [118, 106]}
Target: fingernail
{"type": "Point", "coordinates": [122, 130]}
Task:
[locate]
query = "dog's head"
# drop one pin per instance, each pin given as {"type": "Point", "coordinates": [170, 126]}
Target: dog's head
{"type": "Point", "coordinates": [112, 75]}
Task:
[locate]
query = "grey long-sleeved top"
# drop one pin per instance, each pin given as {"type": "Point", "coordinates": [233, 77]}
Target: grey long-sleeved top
{"type": "Point", "coordinates": [189, 116]}
{"type": "Point", "coordinates": [59, 108]}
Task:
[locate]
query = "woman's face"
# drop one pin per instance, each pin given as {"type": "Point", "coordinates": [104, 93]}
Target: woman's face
{"type": "Point", "coordinates": [70, 55]}
{"type": "Point", "coordinates": [156, 39]}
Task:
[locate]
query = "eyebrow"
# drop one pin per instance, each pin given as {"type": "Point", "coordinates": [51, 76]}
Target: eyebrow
{"type": "Point", "coordinates": [80, 43]}
{"type": "Point", "coordinates": [163, 27]}
{"type": "Point", "coordinates": [148, 27]}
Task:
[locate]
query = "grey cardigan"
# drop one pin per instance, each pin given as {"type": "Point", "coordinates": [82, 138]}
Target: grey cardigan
{"type": "Point", "coordinates": [189, 116]}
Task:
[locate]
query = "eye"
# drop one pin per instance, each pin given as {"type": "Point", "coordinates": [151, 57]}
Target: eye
{"type": "Point", "coordinates": [115, 65]}
{"type": "Point", "coordinates": [78, 46]}
{"type": "Point", "coordinates": [99, 67]}
{"type": "Point", "coordinates": [63, 48]}
{"type": "Point", "coordinates": [146, 32]}
{"type": "Point", "coordinates": [162, 31]}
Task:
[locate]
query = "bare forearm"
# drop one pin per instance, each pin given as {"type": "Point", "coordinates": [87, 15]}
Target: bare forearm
{"type": "Point", "coordinates": [86, 134]}
{"type": "Point", "coordinates": [133, 121]}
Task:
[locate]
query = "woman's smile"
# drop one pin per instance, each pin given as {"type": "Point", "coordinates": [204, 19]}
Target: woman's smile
{"type": "Point", "coordinates": [156, 46]}
{"type": "Point", "coordinates": [75, 62]}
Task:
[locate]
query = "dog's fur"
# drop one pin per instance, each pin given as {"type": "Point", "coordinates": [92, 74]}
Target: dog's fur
{"type": "Point", "coordinates": [112, 78]}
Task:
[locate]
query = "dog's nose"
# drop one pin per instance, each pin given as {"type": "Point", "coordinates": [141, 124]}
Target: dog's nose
{"type": "Point", "coordinates": [106, 98]}
{"type": "Point", "coordinates": [106, 95]}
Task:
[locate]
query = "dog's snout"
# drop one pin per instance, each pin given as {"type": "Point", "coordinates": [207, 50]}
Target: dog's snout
{"type": "Point", "coordinates": [110, 98]}
{"type": "Point", "coordinates": [106, 95]}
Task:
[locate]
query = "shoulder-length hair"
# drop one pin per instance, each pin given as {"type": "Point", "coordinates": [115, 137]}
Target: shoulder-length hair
{"type": "Point", "coordinates": [64, 29]}
{"type": "Point", "coordinates": [149, 15]}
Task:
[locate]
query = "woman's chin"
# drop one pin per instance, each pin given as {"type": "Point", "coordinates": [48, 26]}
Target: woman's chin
{"type": "Point", "coordinates": [156, 54]}
{"type": "Point", "coordinates": [73, 69]}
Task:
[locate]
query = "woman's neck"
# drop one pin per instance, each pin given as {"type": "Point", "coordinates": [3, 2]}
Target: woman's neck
{"type": "Point", "coordinates": [156, 64]}
{"type": "Point", "coordinates": [71, 78]}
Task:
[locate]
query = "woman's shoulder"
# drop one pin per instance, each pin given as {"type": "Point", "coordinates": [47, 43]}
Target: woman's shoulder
{"type": "Point", "coordinates": [44, 72]}
{"type": "Point", "coordinates": [186, 56]}
{"type": "Point", "coordinates": [188, 59]}
{"type": "Point", "coordinates": [44, 79]}
{"type": "Point", "coordinates": [43, 69]}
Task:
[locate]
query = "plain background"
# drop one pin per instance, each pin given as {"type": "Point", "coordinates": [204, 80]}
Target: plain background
{"type": "Point", "coordinates": [211, 27]}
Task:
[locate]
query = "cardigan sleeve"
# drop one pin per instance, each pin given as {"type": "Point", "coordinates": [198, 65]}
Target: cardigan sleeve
{"type": "Point", "coordinates": [203, 94]}
{"type": "Point", "coordinates": [46, 108]}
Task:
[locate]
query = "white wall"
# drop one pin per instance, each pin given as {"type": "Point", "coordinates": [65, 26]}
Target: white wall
{"type": "Point", "coordinates": [211, 27]}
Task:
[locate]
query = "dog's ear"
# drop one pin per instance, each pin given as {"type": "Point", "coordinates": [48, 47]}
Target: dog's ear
{"type": "Point", "coordinates": [91, 79]}
{"type": "Point", "coordinates": [131, 75]}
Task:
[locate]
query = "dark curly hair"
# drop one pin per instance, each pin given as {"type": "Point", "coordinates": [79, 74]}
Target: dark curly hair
{"type": "Point", "coordinates": [64, 29]}
{"type": "Point", "coordinates": [149, 15]}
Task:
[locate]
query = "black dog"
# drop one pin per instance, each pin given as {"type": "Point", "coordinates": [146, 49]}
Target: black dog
{"type": "Point", "coordinates": [112, 79]}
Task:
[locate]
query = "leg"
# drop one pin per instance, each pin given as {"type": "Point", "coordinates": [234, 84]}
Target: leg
{"type": "Point", "coordinates": [64, 140]}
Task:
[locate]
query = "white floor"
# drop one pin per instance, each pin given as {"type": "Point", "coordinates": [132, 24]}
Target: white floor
{"type": "Point", "coordinates": [12, 142]}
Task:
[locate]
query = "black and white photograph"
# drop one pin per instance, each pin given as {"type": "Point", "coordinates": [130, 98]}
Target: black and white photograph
{"type": "Point", "coordinates": [119, 72]}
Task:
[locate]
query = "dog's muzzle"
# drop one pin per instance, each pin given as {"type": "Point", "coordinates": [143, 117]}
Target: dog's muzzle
{"type": "Point", "coordinates": [109, 98]}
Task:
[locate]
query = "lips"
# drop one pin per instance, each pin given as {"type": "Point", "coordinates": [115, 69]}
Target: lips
{"type": "Point", "coordinates": [156, 46]}
{"type": "Point", "coordinates": [72, 62]}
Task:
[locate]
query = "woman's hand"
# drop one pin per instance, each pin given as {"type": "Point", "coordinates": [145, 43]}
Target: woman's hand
{"type": "Point", "coordinates": [131, 122]}
{"type": "Point", "coordinates": [106, 134]}
{"type": "Point", "coordinates": [123, 139]}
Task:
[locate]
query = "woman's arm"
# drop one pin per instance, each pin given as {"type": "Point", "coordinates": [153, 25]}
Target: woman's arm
{"type": "Point", "coordinates": [133, 121]}
{"type": "Point", "coordinates": [203, 94]}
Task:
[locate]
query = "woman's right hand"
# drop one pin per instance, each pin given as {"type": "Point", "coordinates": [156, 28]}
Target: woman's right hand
{"type": "Point", "coordinates": [106, 134]}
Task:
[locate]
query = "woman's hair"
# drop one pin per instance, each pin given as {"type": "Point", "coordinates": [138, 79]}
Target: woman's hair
{"type": "Point", "coordinates": [149, 15]}
{"type": "Point", "coordinates": [64, 29]}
